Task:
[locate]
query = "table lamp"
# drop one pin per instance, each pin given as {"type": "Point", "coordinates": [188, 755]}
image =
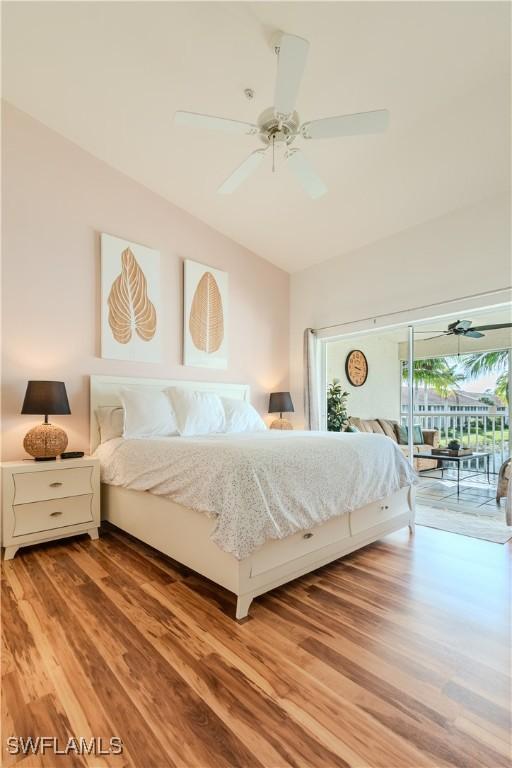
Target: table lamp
{"type": "Point", "coordinates": [46, 441]}
{"type": "Point", "coordinates": [280, 402]}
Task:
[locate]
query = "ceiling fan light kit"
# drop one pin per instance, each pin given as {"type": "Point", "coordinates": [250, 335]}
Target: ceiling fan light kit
{"type": "Point", "coordinates": [280, 125]}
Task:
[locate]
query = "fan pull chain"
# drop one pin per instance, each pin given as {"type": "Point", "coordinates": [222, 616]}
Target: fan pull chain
{"type": "Point", "coordinates": [273, 154]}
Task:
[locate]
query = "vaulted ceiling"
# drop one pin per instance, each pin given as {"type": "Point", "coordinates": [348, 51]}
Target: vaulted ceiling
{"type": "Point", "coordinates": [110, 75]}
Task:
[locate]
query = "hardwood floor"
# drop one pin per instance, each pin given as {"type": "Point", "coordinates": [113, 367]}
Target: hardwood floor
{"type": "Point", "coordinates": [396, 656]}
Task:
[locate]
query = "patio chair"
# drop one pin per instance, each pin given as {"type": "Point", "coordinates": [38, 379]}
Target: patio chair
{"type": "Point", "coordinates": [503, 485]}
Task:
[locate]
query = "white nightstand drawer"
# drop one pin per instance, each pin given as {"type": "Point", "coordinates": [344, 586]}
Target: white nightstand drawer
{"type": "Point", "coordinates": [55, 513]}
{"type": "Point", "coordinates": [52, 484]}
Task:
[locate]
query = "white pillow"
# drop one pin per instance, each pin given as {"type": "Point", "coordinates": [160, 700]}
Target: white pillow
{"type": "Point", "coordinates": [147, 413]}
{"type": "Point", "coordinates": [197, 413]}
{"type": "Point", "coordinates": [110, 421]}
{"type": "Point", "coordinates": [241, 416]}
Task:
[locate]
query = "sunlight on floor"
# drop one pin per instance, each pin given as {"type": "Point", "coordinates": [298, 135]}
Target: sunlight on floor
{"type": "Point", "coordinates": [474, 512]}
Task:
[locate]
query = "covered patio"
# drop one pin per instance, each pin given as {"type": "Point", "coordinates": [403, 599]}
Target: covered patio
{"type": "Point", "coordinates": [478, 420]}
{"type": "Point", "coordinates": [474, 512]}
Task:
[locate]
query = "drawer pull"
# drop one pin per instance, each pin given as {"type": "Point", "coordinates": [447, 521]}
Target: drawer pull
{"type": "Point", "coordinates": [307, 536]}
{"type": "Point", "coordinates": [55, 485]}
{"type": "Point", "coordinates": [384, 506]}
{"type": "Point", "coordinates": [55, 514]}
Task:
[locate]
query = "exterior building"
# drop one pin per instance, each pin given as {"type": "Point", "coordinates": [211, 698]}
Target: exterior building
{"type": "Point", "coordinates": [458, 401]}
{"type": "Point", "coordinates": [479, 420]}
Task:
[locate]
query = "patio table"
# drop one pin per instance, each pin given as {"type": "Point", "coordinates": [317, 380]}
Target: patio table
{"type": "Point", "coordinates": [459, 461]}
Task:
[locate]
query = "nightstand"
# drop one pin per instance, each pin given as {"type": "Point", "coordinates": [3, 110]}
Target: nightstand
{"type": "Point", "coordinates": [42, 501]}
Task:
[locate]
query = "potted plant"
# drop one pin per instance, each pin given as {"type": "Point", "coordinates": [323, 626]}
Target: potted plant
{"type": "Point", "coordinates": [337, 416]}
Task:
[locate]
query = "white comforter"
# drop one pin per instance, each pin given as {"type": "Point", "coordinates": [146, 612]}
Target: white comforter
{"type": "Point", "coordinates": [260, 486]}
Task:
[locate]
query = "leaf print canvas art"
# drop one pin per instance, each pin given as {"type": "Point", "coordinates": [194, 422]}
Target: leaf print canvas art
{"type": "Point", "coordinates": [205, 321]}
{"type": "Point", "coordinates": [130, 301]}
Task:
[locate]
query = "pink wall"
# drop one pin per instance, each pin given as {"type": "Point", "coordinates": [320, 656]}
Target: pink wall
{"type": "Point", "coordinates": [56, 200]}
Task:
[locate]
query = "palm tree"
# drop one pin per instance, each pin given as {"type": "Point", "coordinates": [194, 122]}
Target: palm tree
{"type": "Point", "coordinates": [434, 373]}
{"type": "Point", "coordinates": [479, 363]}
{"type": "Point", "coordinates": [501, 389]}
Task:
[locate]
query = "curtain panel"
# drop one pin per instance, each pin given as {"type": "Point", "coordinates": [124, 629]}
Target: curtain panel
{"type": "Point", "coordinates": [311, 378]}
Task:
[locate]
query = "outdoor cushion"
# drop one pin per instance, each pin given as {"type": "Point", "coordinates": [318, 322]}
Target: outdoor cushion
{"type": "Point", "coordinates": [401, 432]}
{"type": "Point", "coordinates": [403, 435]}
{"type": "Point", "coordinates": [431, 437]}
{"type": "Point", "coordinates": [504, 479]}
{"type": "Point", "coordinates": [420, 464]}
{"type": "Point", "coordinates": [375, 426]}
{"type": "Point", "coordinates": [360, 424]}
{"type": "Point", "coordinates": [388, 428]}
{"type": "Point", "coordinates": [417, 435]}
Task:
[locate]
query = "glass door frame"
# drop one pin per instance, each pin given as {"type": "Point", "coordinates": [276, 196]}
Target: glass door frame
{"type": "Point", "coordinates": [407, 319]}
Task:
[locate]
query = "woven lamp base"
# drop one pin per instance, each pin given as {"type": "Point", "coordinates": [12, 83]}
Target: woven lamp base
{"type": "Point", "coordinates": [281, 424]}
{"type": "Point", "coordinates": [46, 441]}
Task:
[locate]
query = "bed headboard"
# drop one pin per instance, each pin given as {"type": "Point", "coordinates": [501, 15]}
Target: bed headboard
{"type": "Point", "coordinates": [105, 391]}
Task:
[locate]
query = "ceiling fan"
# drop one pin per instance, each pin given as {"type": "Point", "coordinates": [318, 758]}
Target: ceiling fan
{"type": "Point", "coordinates": [466, 328]}
{"type": "Point", "coordinates": [281, 125]}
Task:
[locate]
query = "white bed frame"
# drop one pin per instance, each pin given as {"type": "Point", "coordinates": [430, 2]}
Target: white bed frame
{"type": "Point", "coordinates": [184, 534]}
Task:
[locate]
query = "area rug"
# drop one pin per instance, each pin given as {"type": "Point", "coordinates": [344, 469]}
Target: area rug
{"type": "Point", "coordinates": [491, 527]}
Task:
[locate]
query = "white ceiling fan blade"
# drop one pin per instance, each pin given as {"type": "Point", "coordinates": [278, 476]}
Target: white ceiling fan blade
{"type": "Point", "coordinates": [243, 171]}
{"type": "Point", "coordinates": [292, 57]}
{"type": "Point", "coordinates": [346, 125]}
{"type": "Point", "coordinates": [312, 184]}
{"type": "Point", "coordinates": [196, 120]}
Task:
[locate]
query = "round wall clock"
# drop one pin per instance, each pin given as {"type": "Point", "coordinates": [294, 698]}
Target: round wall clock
{"type": "Point", "coordinates": [356, 368]}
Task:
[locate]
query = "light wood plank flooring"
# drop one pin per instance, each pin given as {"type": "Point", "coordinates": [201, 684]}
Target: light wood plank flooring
{"type": "Point", "coordinates": [396, 656]}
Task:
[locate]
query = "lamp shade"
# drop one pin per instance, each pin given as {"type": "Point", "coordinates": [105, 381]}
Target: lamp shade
{"type": "Point", "coordinates": [280, 402]}
{"type": "Point", "coordinates": [46, 397]}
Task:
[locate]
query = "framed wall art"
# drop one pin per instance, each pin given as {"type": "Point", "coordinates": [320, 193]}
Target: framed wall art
{"type": "Point", "coordinates": [205, 322]}
{"type": "Point", "coordinates": [130, 301]}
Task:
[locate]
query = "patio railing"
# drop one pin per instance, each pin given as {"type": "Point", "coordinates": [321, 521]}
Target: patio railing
{"type": "Point", "coordinates": [480, 431]}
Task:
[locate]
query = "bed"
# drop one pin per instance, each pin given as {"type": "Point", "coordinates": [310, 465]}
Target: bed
{"type": "Point", "coordinates": [290, 539]}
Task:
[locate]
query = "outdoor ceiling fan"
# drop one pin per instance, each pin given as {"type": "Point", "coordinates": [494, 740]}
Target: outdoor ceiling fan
{"type": "Point", "coordinates": [466, 328]}
{"type": "Point", "coordinates": [280, 125]}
